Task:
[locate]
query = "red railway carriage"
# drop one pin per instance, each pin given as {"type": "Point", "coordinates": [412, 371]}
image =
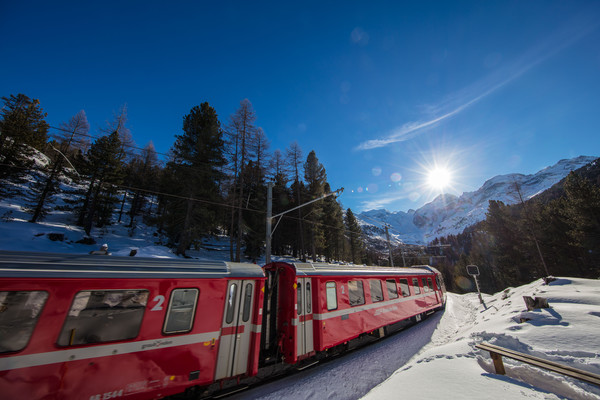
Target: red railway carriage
{"type": "Point", "coordinates": [100, 327]}
{"type": "Point", "coordinates": [313, 307]}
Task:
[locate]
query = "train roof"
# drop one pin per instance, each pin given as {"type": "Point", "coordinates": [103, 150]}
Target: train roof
{"type": "Point", "coordinates": [54, 265]}
{"type": "Point", "coordinates": [325, 269]}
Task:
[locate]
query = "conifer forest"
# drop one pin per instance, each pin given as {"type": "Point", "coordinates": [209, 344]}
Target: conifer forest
{"type": "Point", "coordinates": [214, 178]}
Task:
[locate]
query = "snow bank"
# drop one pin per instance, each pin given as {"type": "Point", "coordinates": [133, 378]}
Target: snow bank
{"type": "Point", "coordinates": [437, 358]}
{"type": "Point", "coordinates": [567, 333]}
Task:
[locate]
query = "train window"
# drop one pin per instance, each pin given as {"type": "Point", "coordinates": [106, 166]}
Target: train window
{"type": "Point", "coordinates": [331, 296]}
{"type": "Point", "coordinates": [415, 283]}
{"type": "Point", "coordinates": [19, 313]}
{"type": "Point", "coordinates": [98, 316]}
{"type": "Point", "coordinates": [356, 293]}
{"type": "Point", "coordinates": [180, 314]}
{"type": "Point", "coordinates": [376, 290]}
{"type": "Point", "coordinates": [247, 302]}
{"type": "Point", "coordinates": [425, 288]}
{"type": "Point", "coordinates": [308, 299]}
{"type": "Point", "coordinates": [231, 303]}
{"type": "Point", "coordinates": [299, 290]}
{"type": "Point", "coordinates": [392, 289]}
{"type": "Point", "coordinates": [404, 287]}
{"type": "Point", "coordinates": [430, 284]}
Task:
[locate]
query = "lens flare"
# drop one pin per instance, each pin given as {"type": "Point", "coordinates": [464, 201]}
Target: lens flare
{"type": "Point", "coordinates": [439, 178]}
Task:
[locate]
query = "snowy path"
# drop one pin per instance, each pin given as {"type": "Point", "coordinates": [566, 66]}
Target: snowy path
{"type": "Point", "coordinates": [436, 359]}
{"type": "Point", "coordinates": [354, 375]}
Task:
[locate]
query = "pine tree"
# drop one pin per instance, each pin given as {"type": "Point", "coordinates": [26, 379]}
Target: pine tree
{"type": "Point", "coordinates": [196, 170]}
{"type": "Point", "coordinates": [355, 237]}
{"type": "Point", "coordinates": [104, 170]}
{"type": "Point", "coordinates": [315, 177]}
{"type": "Point", "coordinates": [22, 128]}
{"type": "Point", "coordinates": [581, 208]}
{"type": "Point", "coordinates": [333, 227]}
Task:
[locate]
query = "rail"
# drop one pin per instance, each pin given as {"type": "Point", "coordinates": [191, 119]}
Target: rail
{"type": "Point", "coordinates": [496, 352]}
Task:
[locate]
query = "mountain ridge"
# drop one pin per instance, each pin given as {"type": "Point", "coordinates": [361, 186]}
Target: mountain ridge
{"type": "Point", "coordinates": [449, 214]}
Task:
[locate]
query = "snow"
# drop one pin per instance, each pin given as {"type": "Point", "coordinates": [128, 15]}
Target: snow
{"type": "Point", "coordinates": [435, 359]}
{"type": "Point", "coordinates": [450, 215]}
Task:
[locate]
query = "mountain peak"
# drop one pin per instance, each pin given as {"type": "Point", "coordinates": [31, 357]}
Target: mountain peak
{"type": "Point", "coordinates": [449, 214]}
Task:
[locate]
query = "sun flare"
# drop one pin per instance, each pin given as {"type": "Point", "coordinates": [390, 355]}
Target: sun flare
{"type": "Point", "coordinates": [439, 178]}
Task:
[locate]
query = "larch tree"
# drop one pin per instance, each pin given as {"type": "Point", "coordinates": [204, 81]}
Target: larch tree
{"type": "Point", "coordinates": [294, 158]}
{"type": "Point", "coordinates": [242, 133]}
{"type": "Point", "coordinates": [143, 177]}
{"type": "Point", "coordinates": [72, 135]}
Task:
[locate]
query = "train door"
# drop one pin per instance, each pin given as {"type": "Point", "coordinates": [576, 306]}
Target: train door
{"type": "Point", "coordinates": [304, 328]}
{"type": "Point", "coordinates": [435, 290]}
{"type": "Point", "coordinates": [236, 331]}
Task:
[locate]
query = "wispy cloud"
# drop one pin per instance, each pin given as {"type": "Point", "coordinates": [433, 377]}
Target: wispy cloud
{"type": "Point", "coordinates": [468, 96]}
{"type": "Point", "coordinates": [382, 201]}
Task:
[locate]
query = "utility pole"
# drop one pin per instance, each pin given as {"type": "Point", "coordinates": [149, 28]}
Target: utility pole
{"type": "Point", "coordinates": [387, 234]}
{"type": "Point", "coordinates": [270, 217]}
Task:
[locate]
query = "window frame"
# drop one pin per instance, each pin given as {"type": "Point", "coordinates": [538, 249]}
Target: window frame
{"type": "Point", "coordinates": [417, 288]}
{"type": "Point", "coordinates": [308, 298]}
{"type": "Point", "coordinates": [351, 290]}
{"type": "Point", "coordinates": [299, 299]}
{"type": "Point", "coordinates": [230, 311]}
{"type": "Point", "coordinates": [31, 321]}
{"type": "Point", "coordinates": [247, 301]}
{"type": "Point", "coordinates": [327, 292]}
{"type": "Point", "coordinates": [69, 337]}
{"type": "Point", "coordinates": [169, 308]}
{"type": "Point", "coordinates": [395, 287]}
{"type": "Point", "coordinates": [405, 285]}
{"type": "Point", "coordinates": [380, 288]}
{"type": "Point", "coordinates": [430, 284]}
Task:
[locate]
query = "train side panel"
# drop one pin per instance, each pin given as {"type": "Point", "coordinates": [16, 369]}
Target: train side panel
{"type": "Point", "coordinates": [347, 302]}
{"type": "Point", "coordinates": [337, 325]}
{"type": "Point", "coordinates": [152, 361]}
{"type": "Point", "coordinates": [80, 327]}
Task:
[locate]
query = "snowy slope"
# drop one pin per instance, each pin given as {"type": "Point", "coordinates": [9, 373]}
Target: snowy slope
{"type": "Point", "coordinates": [436, 359]}
{"type": "Point", "coordinates": [440, 348]}
{"type": "Point", "coordinates": [450, 215]}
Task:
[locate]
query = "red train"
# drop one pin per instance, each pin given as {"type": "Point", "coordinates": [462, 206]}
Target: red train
{"type": "Point", "coordinates": [104, 327]}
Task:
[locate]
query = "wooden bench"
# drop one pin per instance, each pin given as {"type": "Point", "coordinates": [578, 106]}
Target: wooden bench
{"type": "Point", "coordinates": [496, 352]}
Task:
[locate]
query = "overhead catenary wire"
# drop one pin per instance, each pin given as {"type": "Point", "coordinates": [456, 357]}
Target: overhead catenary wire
{"type": "Point", "coordinates": [218, 204]}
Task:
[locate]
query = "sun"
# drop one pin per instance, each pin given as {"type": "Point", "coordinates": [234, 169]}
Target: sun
{"type": "Point", "coordinates": [439, 178]}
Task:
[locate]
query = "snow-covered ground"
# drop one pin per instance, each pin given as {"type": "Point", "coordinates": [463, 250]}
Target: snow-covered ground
{"type": "Point", "coordinates": [435, 359]}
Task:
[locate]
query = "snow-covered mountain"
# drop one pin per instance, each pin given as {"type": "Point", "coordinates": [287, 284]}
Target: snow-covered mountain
{"type": "Point", "coordinates": [450, 215]}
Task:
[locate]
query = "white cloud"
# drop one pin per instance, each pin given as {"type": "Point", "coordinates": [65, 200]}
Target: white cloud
{"type": "Point", "coordinates": [463, 99]}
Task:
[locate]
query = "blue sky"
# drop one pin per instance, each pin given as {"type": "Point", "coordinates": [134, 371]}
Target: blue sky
{"type": "Point", "coordinates": [382, 91]}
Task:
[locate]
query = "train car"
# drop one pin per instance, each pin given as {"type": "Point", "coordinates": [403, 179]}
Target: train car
{"type": "Point", "coordinates": [103, 327]}
{"type": "Point", "coordinates": [312, 307]}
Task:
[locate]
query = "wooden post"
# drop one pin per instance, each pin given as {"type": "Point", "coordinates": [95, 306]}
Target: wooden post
{"type": "Point", "coordinates": [498, 363]}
